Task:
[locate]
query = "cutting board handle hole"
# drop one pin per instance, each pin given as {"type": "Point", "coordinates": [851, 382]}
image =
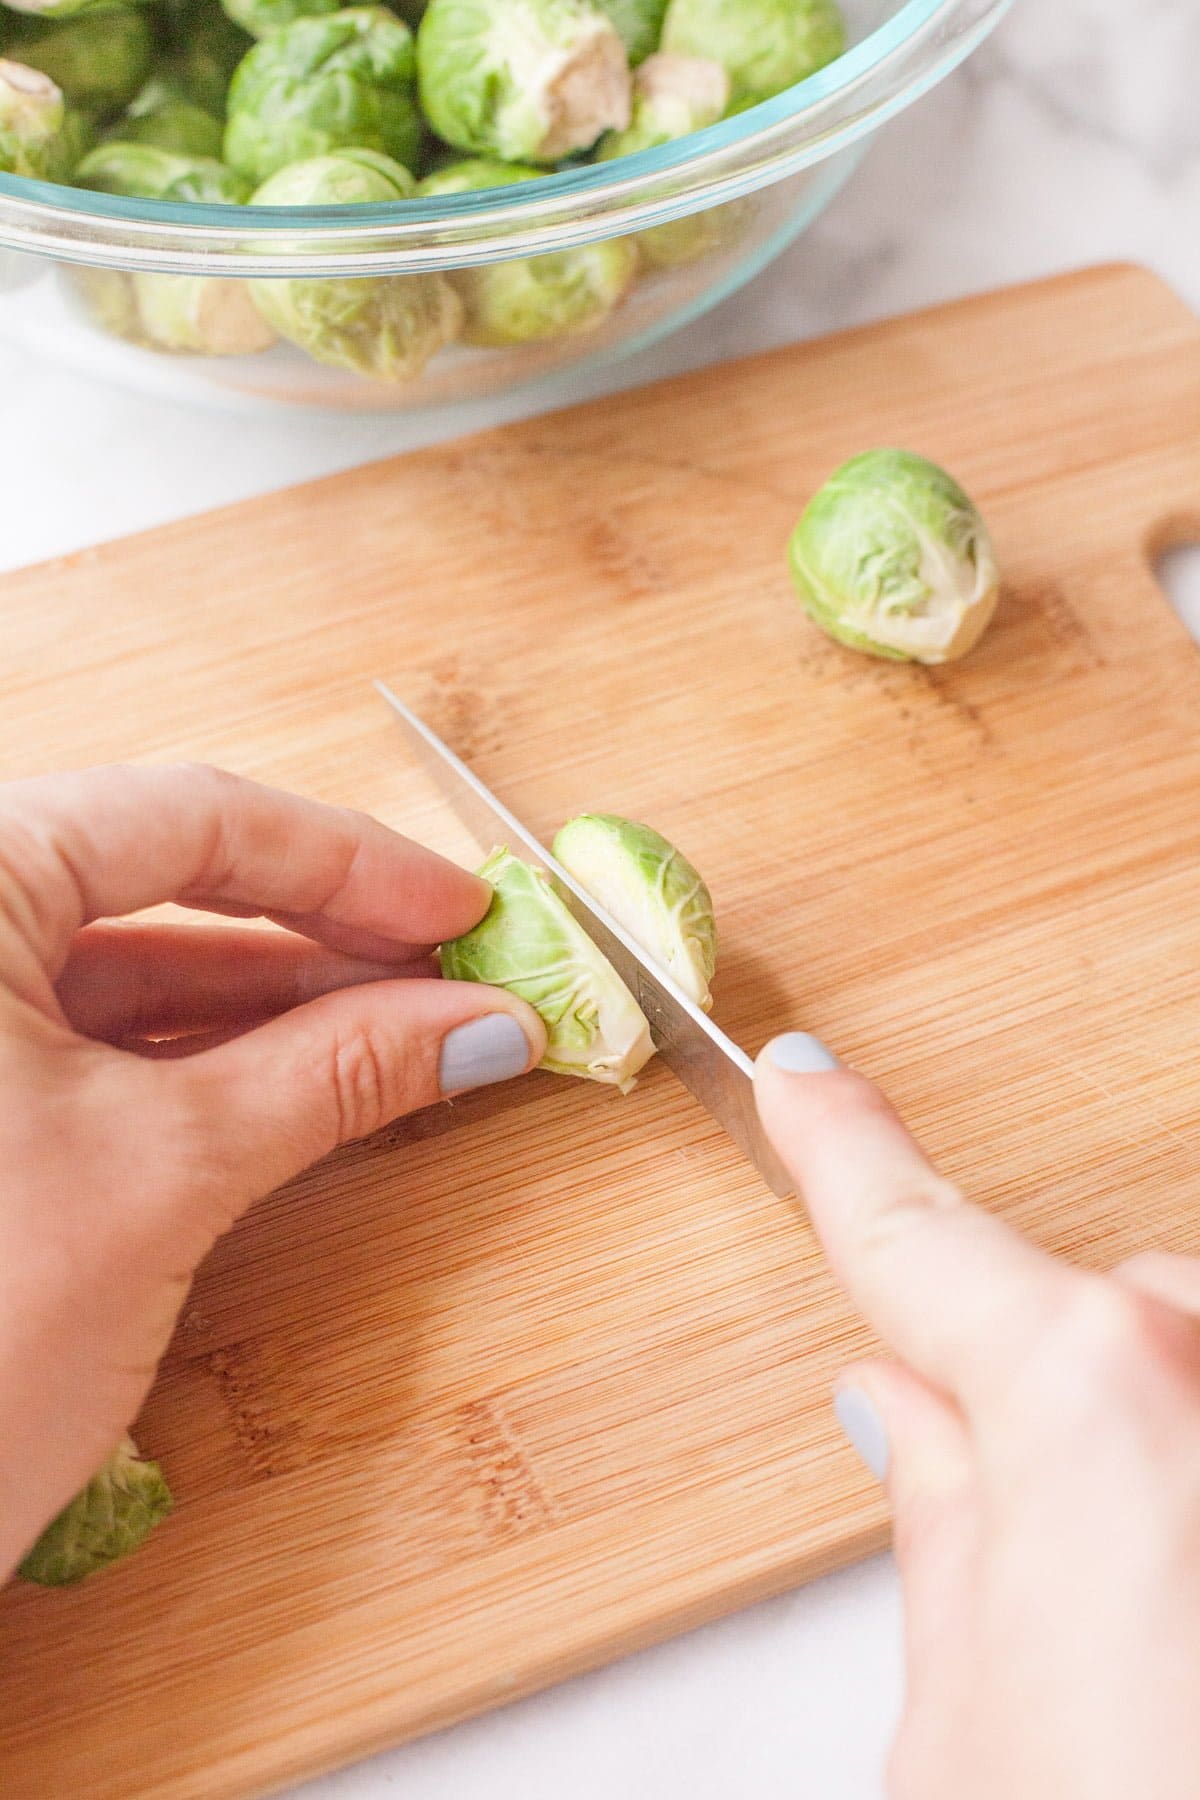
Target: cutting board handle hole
{"type": "Point", "coordinates": [1178, 569]}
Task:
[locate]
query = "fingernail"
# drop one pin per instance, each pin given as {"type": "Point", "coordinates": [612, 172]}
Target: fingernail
{"type": "Point", "coordinates": [860, 1420]}
{"type": "Point", "coordinates": [796, 1053]}
{"type": "Point", "coordinates": [493, 1048]}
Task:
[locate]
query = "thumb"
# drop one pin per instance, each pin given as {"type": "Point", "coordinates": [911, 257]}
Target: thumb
{"type": "Point", "coordinates": [282, 1096]}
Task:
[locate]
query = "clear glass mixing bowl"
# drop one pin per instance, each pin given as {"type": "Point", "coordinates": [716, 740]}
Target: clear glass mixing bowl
{"type": "Point", "coordinates": [707, 212]}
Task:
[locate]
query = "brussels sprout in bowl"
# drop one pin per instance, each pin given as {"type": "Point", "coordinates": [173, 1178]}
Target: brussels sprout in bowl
{"type": "Point", "coordinates": [577, 178]}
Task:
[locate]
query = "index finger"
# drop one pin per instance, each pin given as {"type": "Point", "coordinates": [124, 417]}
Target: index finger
{"type": "Point", "coordinates": [97, 843]}
{"type": "Point", "coordinates": [953, 1290]}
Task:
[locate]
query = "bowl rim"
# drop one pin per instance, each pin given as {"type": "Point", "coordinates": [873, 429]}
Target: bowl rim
{"type": "Point", "coordinates": [921, 43]}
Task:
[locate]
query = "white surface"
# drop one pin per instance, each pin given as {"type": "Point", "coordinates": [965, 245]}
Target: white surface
{"type": "Point", "coordinates": [1073, 137]}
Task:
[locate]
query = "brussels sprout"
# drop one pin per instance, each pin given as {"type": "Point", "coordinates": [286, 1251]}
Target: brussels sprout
{"type": "Point", "coordinates": [765, 45]}
{"type": "Point", "coordinates": [639, 23]}
{"type": "Point", "coordinates": [346, 81]}
{"type": "Point", "coordinates": [650, 889]}
{"type": "Point", "coordinates": [162, 115]}
{"type": "Point", "coordinates": [892, 557]}
{"type": "Point", "coordinates": [107, 298]}
{"type": "Point", "coordinates": [531, 945]}
{"type": "Point", "coordinates": [384, 326]}
{"type": "Point", "coordinates": [117, 1511]}
{"type": "Point", "coordinates": [541, 297]}
{"type": "Point", "coordinates": [524, 80]}
{"type": "Point", "coordinates": [261, 17]}
{"type": "Point", "coordinates": [204, 49]}
{"type": "Point", "coordinates": [672, 96]}
{"type": "Point", "coordinates": [204, 314]}
{"type": "Point", "coordinates": [99, 59]}
{"type": "Point", "coordinates": [146, 172]}
{"type": "Point", "coordinates": [32, 112]}
{"type": "Point", "coordinates": [73, 142]}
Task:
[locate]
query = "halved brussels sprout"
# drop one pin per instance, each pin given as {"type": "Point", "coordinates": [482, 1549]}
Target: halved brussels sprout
{"type": "Point", "coordinates": [639, 23]}
{"type": "Point", "coordinates": [651, 889]}
{"type": "Point", "coordinates": [540, 297]}
{"type": "Point", "coordinates": [324, 84]}
{"type": "Point", "coordinates": [98, 59]}
{"type": "Point", "coordinates": [522, 80]}
{"type": "Point", "coordinates": [384, 326]}
{"type": "Point", "coordinates": [146, 172]}
{"type": "Point", "coordinates": [117, 1511]}
{"type": "Point", "coordinates": [764, 45]}
{"type": "Point", "coordinates": [892, 557]}
{"type": "Point", "coordinates": [261, 17]}
{"type": "Point", "coordinates": [531, 945]}
{"type": "Point", "coordinates": [32, 111]}
{"type": "Point", "coordinates": [162, 115]}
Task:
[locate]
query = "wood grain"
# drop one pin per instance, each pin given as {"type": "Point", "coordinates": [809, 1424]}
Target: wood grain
{"type": "Point", "coordinates": [466, 1410]}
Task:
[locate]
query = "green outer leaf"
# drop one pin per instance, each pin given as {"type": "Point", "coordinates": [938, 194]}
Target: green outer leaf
{"type": "Point", "coordinates": [116, 1512]}
{"type": "Point", "coordinates": [651, 890]}
{"type": "Point", "coordinates": [639, 23]}
{"type": "Point", "coordinates": [162, 115]}
{"type": "Point", "coordinates": [99, 59]}
{"type": "Point", "coordinates": [203, 50]}
{"type": "Point", "coordinates": [261, 17]}
{"type": "Point", "coordinates": [325, 84]}
{"type": "Point", "coordinates": [529, 944]}
{"type": "Point", "coordinates": [892, 557]}
{"type": "Point", "coordinates": [765, 45]}
{"type": "Point", "coordinates": [145, 172]}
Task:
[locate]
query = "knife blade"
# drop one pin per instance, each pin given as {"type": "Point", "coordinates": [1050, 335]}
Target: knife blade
{"type": "Point", "coordinates": [708, 1063]}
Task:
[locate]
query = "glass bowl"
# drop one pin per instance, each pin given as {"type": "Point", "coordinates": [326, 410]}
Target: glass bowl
{"type": "Point", "coordinates": [706, 214]}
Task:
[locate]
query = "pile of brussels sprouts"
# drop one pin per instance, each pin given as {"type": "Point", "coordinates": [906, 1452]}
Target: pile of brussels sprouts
{"type": "Point", "coordinates": [312, 103]}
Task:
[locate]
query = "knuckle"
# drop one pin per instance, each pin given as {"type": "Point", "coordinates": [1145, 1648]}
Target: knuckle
{"type": "Point", "coordinates": [908, 1208]}
{"type": "Point", "coordinates": [1102, 1344]}
{"type": "Point", "coordinates": [203, 774]}
{"type": "Point", "coordinates": [1103, 1326]}
{"type": "Point", "coordinates": [364, 1085]}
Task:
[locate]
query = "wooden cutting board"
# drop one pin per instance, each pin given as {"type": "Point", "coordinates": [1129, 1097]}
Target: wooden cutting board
{"type": "Point", "coordinates": [466, 1410]}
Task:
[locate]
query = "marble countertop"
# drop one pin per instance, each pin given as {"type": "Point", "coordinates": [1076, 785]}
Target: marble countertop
{"type": "Point", "coordinates": [1071, 137]}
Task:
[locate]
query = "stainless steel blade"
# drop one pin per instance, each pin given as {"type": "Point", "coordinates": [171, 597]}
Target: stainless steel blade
{"type": "Point", "coordinates": [709, 1064]}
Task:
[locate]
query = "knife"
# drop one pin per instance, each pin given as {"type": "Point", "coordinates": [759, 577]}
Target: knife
{"type": "Point", "coordinates": [709, 1064]}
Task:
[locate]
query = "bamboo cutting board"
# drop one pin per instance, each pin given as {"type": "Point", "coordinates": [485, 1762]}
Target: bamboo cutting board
{"type": "Point", "coordinates": [466, 1410]}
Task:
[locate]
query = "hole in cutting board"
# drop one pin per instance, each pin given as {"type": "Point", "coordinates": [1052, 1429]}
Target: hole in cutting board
{"type": "Point", "coordinates": [1178, 569]}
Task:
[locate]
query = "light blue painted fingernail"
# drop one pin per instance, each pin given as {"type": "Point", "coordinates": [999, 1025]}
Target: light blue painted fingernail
{"type": "Point", "coordinates": [485, 1050]}
{"type": "Point", "coordinates": [796, 1053]}
{"type": "Point", "coordinates": [859, 1419]}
